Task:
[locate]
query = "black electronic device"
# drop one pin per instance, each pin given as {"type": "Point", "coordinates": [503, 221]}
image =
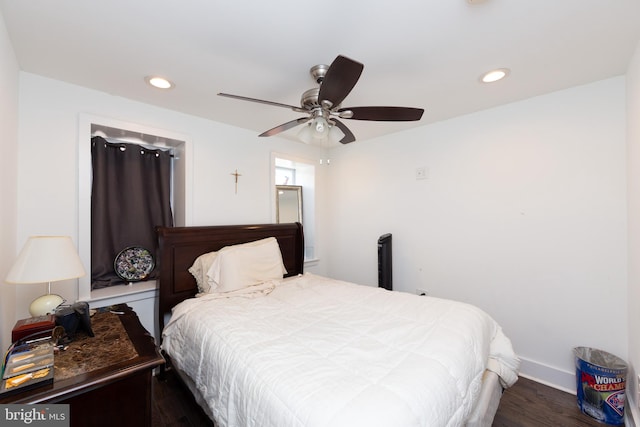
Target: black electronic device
{"type": "Point", "coordinates": [385, 270]}
{"type": "Point", "coordinates": [74, 318]}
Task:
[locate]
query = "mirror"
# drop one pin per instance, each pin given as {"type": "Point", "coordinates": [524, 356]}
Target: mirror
{"type": "Point", "coordinates": [288, 203]}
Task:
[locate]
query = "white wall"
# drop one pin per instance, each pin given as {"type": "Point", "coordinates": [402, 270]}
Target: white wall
{"type": "Point", "coordinates": [9, 72]}
{"type": "Point", "coordinates": [48, 164]}
{"type": "Point", "coordinates": [633, 196]}
{"type": "Point", "coordinates": [523, 214]}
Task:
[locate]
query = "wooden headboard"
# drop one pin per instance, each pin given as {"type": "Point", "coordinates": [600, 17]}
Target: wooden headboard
{"type": "Point", "coordinates": [180, 246]}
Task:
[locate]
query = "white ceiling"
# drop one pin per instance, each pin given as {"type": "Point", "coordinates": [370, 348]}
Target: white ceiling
{"type": "Point", "coordinates": [417, 53]}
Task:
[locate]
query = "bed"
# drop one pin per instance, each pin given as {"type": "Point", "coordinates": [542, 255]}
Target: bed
{"type": "Point", "coordinates": [310, 351]}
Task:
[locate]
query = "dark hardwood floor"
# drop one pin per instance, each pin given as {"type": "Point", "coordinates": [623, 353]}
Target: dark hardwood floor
{"type": "Point", "coordinates": [173, 404]}
{"type": "Point", "coordinates": [526, 404]}
{"type": "Point", "coordinates": [531, 404]}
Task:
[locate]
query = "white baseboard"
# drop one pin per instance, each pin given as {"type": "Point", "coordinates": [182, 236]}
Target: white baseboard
{"type": "Point", "coordinates": [548, 375]}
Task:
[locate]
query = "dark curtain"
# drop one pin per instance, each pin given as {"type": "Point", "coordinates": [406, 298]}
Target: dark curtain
{"type": "Point", "coordinates": [130, 196]}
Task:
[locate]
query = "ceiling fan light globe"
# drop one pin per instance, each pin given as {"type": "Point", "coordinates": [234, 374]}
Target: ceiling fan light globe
{"type": "Point", "coordinates": [306, 134]}
{"type": "Point", "coordinates": [319, 132]}
{"type": "Point", "coordinates": [320, 125]}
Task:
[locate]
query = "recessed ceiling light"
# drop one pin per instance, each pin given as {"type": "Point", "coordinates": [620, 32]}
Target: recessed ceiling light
{"type": "Point", "coordinates": [159, 82]}
{"type": "Point", "coordinates": [495, 75]}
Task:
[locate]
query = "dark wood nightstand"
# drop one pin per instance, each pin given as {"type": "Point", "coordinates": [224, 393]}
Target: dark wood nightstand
{"type": "Point", "coordinates": [106, 379]}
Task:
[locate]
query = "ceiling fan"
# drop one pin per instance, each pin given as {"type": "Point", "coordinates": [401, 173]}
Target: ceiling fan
{"type": "Point", "coordinates": [323, 104]}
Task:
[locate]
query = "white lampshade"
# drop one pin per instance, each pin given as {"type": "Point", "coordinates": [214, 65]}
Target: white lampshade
{"type": "Point", "coordinates": [46, 259]}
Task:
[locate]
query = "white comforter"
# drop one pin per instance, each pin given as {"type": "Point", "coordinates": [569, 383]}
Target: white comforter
{"type": "Point", "coordinates": [319, 352]}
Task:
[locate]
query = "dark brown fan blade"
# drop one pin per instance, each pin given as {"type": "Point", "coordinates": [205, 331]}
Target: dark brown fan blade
{"type": "Point", "coordinates": [384, 114]}
{"type": "Point", "coordinates": [261, 101]}
{"type": "Point", "coordinates": [285, 126]}
{"type": "Point", "coordinates": [348, 136]}
{"type": "Point", "coordinates": [341, 77]}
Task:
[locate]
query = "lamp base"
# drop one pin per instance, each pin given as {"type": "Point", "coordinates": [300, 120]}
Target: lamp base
{"type": "Point", "coordinates": [45, 304]}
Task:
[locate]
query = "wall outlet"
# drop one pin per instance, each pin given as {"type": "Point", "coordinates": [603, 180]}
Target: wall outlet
{"type": "Point", "coordinates": [422, 292]}
{"type": "Point", "coordinates": [422, 173]}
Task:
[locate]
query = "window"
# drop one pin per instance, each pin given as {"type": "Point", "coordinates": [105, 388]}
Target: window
{"type": "Point", "coordinates": [285, 175]}
{"type": "Point", "coordinates": [288, 170]}
{"type": "Point", "coordinates": [131, 133]}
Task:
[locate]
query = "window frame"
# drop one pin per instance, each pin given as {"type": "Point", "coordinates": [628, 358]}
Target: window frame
{"type": "Point", "coordinates": [306, 175]}
{"type": "Point", "coordinates": [182, 196]}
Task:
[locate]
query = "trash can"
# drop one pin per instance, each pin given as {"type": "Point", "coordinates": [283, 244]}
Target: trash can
{"type": "Point", "coordinates": [600, 384]}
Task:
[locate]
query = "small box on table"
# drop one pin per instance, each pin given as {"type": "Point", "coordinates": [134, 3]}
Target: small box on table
{"type": "Point", "coordinates": [32, 326]}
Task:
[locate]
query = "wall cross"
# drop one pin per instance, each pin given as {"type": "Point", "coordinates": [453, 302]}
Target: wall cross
{"type": "Point", "coordinates": [236, 175]}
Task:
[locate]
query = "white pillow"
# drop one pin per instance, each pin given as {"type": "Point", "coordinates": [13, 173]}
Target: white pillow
{"type": "Point", "coordinates": [239, 266]}
{"type": "Point", "coordinates": [199, 270]}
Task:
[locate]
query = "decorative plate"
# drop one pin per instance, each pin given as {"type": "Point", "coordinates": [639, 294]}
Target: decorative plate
{"type": "Point", "coordinates": [133, 264]}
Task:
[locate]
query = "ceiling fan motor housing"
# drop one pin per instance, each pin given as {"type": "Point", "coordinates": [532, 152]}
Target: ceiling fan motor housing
{"type": "Point", "coordinates": [318, 72]}
{"type": "Point", "coordinates": [309, 99]}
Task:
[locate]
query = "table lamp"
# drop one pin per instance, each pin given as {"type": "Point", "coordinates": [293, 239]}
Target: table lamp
{"type": "Point", "coordinates": [46, 259]}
